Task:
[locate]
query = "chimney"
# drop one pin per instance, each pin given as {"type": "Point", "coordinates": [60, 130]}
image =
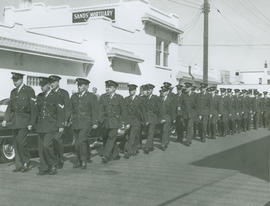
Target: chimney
{"type": "Point", "coordinates": [25, 4]}
{"type": "Point", "coordinates": [189, 72]}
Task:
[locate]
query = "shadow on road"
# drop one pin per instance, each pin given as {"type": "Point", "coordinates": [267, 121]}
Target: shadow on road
{"type": "Point", "coordinates": [251, 158]}
{"type": "Point", "coordinates": [267, 204]}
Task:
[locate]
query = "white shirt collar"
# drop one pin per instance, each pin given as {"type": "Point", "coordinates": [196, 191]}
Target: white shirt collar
{"type": "Point", "coordinates": [56, 90]}
{"type": "Point", "coordinates": [80, 95]}
{"type": "Point", "coordinates": [47, 93]}
{"type": "Point", "coordinates": [20, 87]}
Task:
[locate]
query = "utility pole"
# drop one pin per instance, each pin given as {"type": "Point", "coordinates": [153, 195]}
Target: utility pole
{"type": "Point", "coordinates": [206, 10]}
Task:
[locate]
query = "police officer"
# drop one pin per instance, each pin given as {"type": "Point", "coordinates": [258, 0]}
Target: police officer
{"type": "Point", "coordinates": [202, 107]}
{"type": "Point", "coordinates": [256, 110]}
{"type": "Point", "coordinates": [245, 110]}
{"type": "Point", "coordinates": [179, 124]}
{"type": "Point", "coordinates": [213, 111]}
{"type": "Point", "coordinates": [112, 116]}
{"type": "Point", "coordinates": [237, 110]}
{"type": "Point", "coordinates": [166, 116]}
{"type": "Point", "coordinates": [50, 122]}
{"type": "Point", "coordinates": [134, 117]}
{"type": "Point", "coordinates": [84, 118]}
{"type": "Point", "coordinates": [222, 113]}
{"type": "Point", "coordinates": [64, 100]}
{"type": "Point", "coordinates": [21, 115]}
{"type": "Point", "coordinates": [153, 111]}
{"type": "Point", "coordinates": [189, 111]}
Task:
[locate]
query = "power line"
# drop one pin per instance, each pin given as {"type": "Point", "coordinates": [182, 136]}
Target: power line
{"type": "Point", "coordinates": [184, 4]}
{"type": "Point", "coordinates": [267, 20]}
{"type": "Point", "coordinates": [251, 11]}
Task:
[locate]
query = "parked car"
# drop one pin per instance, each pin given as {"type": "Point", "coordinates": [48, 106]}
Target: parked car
{"type": "Point", "coordinates": [7, 152]}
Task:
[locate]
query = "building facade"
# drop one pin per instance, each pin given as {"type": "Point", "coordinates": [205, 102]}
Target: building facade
{"type": "Point", "coordinates": [111, 41]}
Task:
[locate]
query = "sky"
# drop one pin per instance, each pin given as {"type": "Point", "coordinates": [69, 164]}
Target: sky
{"type": "Point", "coordinates": [239, 30]}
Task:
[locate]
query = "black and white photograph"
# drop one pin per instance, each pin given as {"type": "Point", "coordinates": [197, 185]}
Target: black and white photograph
{"type": "Point", "coordinates": [134, 103]}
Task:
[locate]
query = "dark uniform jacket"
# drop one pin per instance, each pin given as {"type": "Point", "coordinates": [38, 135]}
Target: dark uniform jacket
{"type": "Point", "coordinates": [112, 111]}
{"type": "Point", "coordinates": [84, 110]}
{"type": "Point", "coordinates": [167, 107]}
{"type": "Point", "coordinates": [245, 104]}
{"type": "Point", "coordinates": [152, 108]}
{"type": "Point", "coordinates": [189, 106]}
{"type": "Point", "coordinates": [202, 103]}
{"type": "Point", "coordinates": [134, 110]}
{"type": "Point", "coordinates": [50, 113]}
{"type": "Point", "coordinates": [21, 108]}
{"type": "Point", "coordinates": [64, 100]}
{"type": "Point", "coordinates": [213, 107]}
{"type": "Point", "coordinates": [230, 105]}
{"type": "Point", "coordinates": [222, 105]}
{"type": "Point", "coordinates": [256, 105]}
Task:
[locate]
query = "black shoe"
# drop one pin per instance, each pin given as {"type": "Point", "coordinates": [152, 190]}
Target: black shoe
{"type": "Point", "coordinates": [146, 151]}
{"type": "Point", "coordinates": [43, 172]}
{"type": "Point", "coordinates": [53, 171]}
{"type": "Point", "coordinates": [126, 156]}
{"type": "Point", "coordinates": [84, 165]}
{"type": "Point", "coordinates": [163, 147]}
{"type": "Point", "coordinates": [117, 157]}
{"type": "Point", "coordinates": [188, 144]}
{"type": "Point", "coordinates": [26, 167]}
{"type": "Point", "coordinates": [60, 165]}
{"type": "Point", "coordinates": [17, 169]}
{"type": "Point", "coordinates": [104, 160]}
{"type": "Point", "coordinates": [203, 140]}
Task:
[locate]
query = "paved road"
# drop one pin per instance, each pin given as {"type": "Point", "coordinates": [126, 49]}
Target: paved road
{"type": "Point", "coordinates": [227, 171]}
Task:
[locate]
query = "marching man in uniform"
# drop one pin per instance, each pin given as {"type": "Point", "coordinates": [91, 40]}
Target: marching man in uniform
{"type": "Point", "coordinates": [64, 100]}
{"type": "Point", "coordinates": [112, 117]}
{"type": "Point", "coordinates": [22, 114]}
{"type": "Point", "coordinates": [84, 118]}
{"type": "Point", "coordinates": [50, 123]}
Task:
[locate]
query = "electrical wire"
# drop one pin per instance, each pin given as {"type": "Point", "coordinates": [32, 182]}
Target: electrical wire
{"type": "Point", "coordinates": [184, 4]}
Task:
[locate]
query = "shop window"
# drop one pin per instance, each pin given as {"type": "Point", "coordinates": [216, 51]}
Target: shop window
{"type": "Point", "coordinates": [71, 81]}
{"type": "Point", "coordinates": [32, 81]}
{"type": "Point", "coordinates": [162, 53]}
{"type": "Point", "coordinates": [122, 86]}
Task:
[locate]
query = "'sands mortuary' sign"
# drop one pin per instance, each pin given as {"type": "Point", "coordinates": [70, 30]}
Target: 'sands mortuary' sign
{"type": "Point", "coordinates": [83, 16]}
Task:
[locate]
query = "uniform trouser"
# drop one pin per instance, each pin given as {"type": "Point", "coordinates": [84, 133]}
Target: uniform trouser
{"type": "Point", "coordinates": [132, 142]}
{"type": "Point", "coordinates": [231, 124]}
{"type": "Point", "coordinates": [111, 148]}
{"type": "Point", "coordinates": [20, 145]}
{"type": "Point", "coordinates": [59, 148]}
{"type": "Point", "coordinates": [212, 126]}
{"type": "Point", "coordinates": [165, 131]}
{"type": "Point", "coordinates": [189, 128]}
{"type": "Point", "coordinates": [179, 125]}
{"type": "Point", "coordinates": [202, 124]}
{"type": "Point", "coordinates": [244, 121]}
{"type": "Point", "coordinates": [222, 124]}
{"type": "Point", "coordinates": [150, 131]}
{"type": "Point", "coordinates": [238, 122]}
{"type": "Point", "coordinates": [264, 119]}
{"type": "Point", "coordinates": [256, 119]}
{"type": "Point", "coordinates": [81, 144]}
{"type": "Point", "coordinates": [46, 150]}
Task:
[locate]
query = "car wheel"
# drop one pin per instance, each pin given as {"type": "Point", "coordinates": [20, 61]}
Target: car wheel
{"type": "Point", "coordinates": [7, 151]}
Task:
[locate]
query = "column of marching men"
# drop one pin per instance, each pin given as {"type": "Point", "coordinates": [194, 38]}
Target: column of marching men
{"type": "Point", "coordinates": [128, 124]}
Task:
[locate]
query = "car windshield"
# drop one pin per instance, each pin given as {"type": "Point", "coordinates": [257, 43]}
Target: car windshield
{"type": "Point", "coordinates": [3, 107]}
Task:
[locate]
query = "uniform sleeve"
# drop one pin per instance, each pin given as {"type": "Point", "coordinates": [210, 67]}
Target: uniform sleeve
{"type": "Point", "coordinates": [101, 110]}
{"type": "Point", "coordinates": [60, 114]}
{"type": "Point", "coordinates": [33, 107]}
{"type": "Point", "coordinates": [68, 107]}
{"type": "Point", "coordinates": [124, 116]}
{"type": "Point", "coordinates": [94, 109]}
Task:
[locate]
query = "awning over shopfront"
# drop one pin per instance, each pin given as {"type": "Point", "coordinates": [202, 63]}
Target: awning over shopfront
{"type": "Point", "coordinates": [159, 22]}
{"type": "Point", "coordinates": [27, 47]}
{"type": "Point", "coordinates": [115, 52]}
